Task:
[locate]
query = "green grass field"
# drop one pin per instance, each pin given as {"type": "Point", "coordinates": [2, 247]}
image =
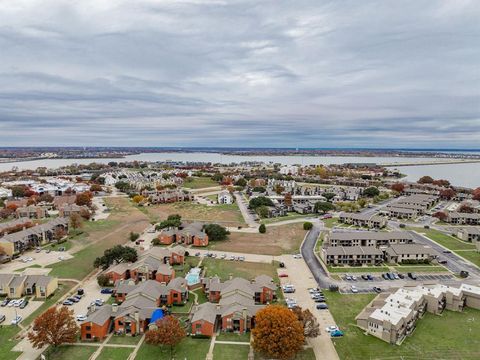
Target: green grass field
{"type": "Point", "coordinates": [471, 255]}
{"type": "Point", "coordinates": [233, 337]}
{"type": "Point", "coordinates": [436, 337]}
{"type": "Point", "coordinates": [124, 340]}
{"type": "Point", "coordinates": [7, 343]}
{"type": "Point", "coordinates": [115, 353]}
{"type": "Point", "coordinates": [189, 348]}
{"type": "Point", "coordinates": [70, 352]}
{"type": "Point", "coordinates": [245, 269]}
{"type": "Point", "coordinates": [199, 183]}
{"type": "Point", "coordinates": [365, 270]}
{"type": "Point", "coordinates": [446, 240]}
{"type": "Point", "coordinates": [231, 352]}
{"type": "Point", "coordinates": [306, 354]}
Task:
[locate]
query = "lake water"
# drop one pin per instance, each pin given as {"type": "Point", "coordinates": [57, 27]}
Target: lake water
{"type": "Point", "coordinates": [458, 174]}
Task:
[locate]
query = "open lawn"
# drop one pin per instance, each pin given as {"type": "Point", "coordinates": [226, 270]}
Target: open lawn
{"type": "Point", "coordinates": [365, 270]}
{"type": "Point", "coordinates": [420, 268]}
{"type": "Point", "coordinates": [446, 240]}
{"type": "Point", "coordinates": [201, 297]}
{"type": "Point", "coordinates": [7, 343]}
{"type": "Point", "coordinates": [189, 348]}
{"type": "Point", "coordinates": [330, 223]}
{"type": "Point", "coordinates": [115, 353]}
{"type": "Point", "coordinates": [290, 216]}
{"type": "Point", "coordinates": [245, 269]}
{"type": "Point", "coordinates": [124, 340]}
{"type": "Point", "coordinates": [433, 338]}
{"type": "Point", "coordinates": [231, 351]}
{"type": "Point", "coordinates": [471, 255]}
{"type": "Point", "coordinates": [278, 240]}
{"type": "Point", "coordinates": [70, 352]}
{"type": "Point", "coordinates": [199, 183]}
{"type": "Point", "coordinates": [101, 236]}
{"type": "Point", "coordinates": [228, 215]}
{"type": "Point", "coordinates": [233, 337]}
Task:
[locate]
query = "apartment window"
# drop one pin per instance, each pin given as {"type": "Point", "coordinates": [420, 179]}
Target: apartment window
{"type": "Point", "coordinates": [88, 328]}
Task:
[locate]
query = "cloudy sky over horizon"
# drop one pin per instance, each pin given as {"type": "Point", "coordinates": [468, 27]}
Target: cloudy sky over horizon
{"type": "Point", "coordinates": [240, 73]}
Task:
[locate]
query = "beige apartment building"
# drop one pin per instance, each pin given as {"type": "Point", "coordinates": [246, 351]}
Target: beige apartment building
{"type": "Point", "coordinates": [392, 316]}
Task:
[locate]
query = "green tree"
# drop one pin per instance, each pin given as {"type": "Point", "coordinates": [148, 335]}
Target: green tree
{"type": "Point", "coordinates": [217, 177]}
{"type": "Point", "coordinates": [174, 221]}
{"type": "Point", "coordinates": [323, 206]}
{"type": "Point", "coordinates": [262, 211]}
{"type": "Point", "coordinates": [134, 236]}
{"type": "Point", "coordinates": [262, 229]}
{"type": "Point", "coordinates": [241, 182]}
{"type": "Point", "coordinates": [116, 255]}
{"type": "Point", "coordinates": [216, 232]}
{"type": "Point", "coordinates": [371, 191]}
{"type": "Point", "coordinates": [329, 196]}
{"type": "Point", "coordinates": [259, 201]}
{"type": "Point", "coordinates": [307, 225]}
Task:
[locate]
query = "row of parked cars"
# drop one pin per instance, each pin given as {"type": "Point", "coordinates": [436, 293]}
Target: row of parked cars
{"type": "Point", "coordinates": [349, 277]}
{"type": "Point", "coordinates": [21, 303]}
{"type": "Point", "coordinates": [395, 276]}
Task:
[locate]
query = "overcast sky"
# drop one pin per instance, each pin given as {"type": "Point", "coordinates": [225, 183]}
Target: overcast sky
{"type": "Point", "coordinates": [240, 73]}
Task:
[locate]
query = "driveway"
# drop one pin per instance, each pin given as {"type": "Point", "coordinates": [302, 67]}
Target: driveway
{"type": "Point", "coordinates": [249, 219]}
{"type": "Point", "coordinates": [300, 276]}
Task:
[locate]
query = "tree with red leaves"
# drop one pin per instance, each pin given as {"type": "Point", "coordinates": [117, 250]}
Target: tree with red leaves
{"type": "Point", "coordinates": [398, 187]}
{"type": "Point", "coordinates": [440, 215]}
{"type": "Point", "coordinates": [84, 199]}
{"type": "Point", "coordinates": [167, 332]}
{"type": "Point", "coordinates": [447, 194]}
{"type": "Point", "coordinates": [476, 194]}
{"type": "Point", "coordinates": [54, 327]}
{"type": "Point", "coordinates": [278, 333]}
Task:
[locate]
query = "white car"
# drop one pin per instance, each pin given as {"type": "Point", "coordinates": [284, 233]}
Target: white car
{"type": "Point", "coordinates": [223, 256]}
{"type": "Point", "coordinates": [29, 259]}
{"type": "Point", "coordinates": [61, 258]}
{"type": "Point", "coordinates": [81, 317]}
{"type": "Point", "coordinates": [16, 320]}
{"type": "Point", "coordinates": [354, 289]}
{"type": "Point", "coordinates": [297, 256]}
{"type": "Point", "coordinates": [331, 328]}
{"type": "Point", "coordinates": [354, 278]}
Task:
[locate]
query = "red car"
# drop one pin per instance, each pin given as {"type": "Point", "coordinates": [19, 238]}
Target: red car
{"type": "Point", "coordinates": [283, 275]}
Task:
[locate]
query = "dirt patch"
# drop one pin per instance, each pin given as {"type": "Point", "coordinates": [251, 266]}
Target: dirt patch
{"type": "Point", "coordinates": [228, 215]}
{"type": "Point", "coordinates": [278, 240]}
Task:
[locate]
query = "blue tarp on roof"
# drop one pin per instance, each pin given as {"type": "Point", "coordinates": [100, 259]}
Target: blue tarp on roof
{"type": "Point", "coordinates": [156, 315]}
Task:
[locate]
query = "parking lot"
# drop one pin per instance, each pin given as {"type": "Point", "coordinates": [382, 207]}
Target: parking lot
{"type": "Point", "coordinates": [91, 293]}
{"type": "Point", "coordinates": [41, 258]}
{"type": "Point", "coordinates": [379, 278]}
{"type": "Point", "coordinates": [11, 311]}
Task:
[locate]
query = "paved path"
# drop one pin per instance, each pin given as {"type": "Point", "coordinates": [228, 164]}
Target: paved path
{"type": "Point", "coordinates": [210, 349]}
{"type": "Point", "coordinates": [133, 355]}
{"type": "Point", "coordinates": [249, 220]}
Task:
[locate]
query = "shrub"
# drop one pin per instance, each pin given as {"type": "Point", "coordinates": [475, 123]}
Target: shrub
{"type": "Point", "coordinates": [307, 225]}
{"type": "Point", "coordinates": [262, 229]}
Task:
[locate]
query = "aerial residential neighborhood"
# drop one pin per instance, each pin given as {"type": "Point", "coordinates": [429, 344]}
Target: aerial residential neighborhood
{"type": "Point", "coordinates": [239, 180]}
{"type": "Point", "coordinates": [212, 247]}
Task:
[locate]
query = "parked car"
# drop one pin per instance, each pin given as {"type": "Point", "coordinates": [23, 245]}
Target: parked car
{"type": "Point", "coordinates": [395, 276]}
{"type": "Point", "coordinates": [99, 302]}
{"type": "Point", "coordinates": [401, 276]}
{"type": "Point", "coordinates": [322, 306]}
{"type": "Point", "coordinates": [106, 291]}
{"type": "Point", "coordinates": [354, 278]}
{"type": "Point", "coordinates": [446, 251]}
{"type": "Point", "coordinates": [24, 304]}
{"type": "Point", "coordinates": [283, 275]}
{"type": "Point", "coordinates": [442, 261]}
{"type": "Point", "coordinates": [2, 318]}
{"type": "Point", "coordinates": [412, 276]}
{"type": "Point", "coordinates": [81, 317]}
{"type": "Point", "coordinates": [354, 289]}
{"type": "Point", "coordinates": [241, 258]}
{"type": "Point", "coordinates": [370, 277]}
{"type": "Point", "coordinates": [464, 274]}
{"type": "Point", "coordinates": [331, 328]}
{"type": "Point", "coordinates": [73, 299]}
{"type": "Point", "coordinates": [390, 276]}
{"type": "Point", "coordinates": [232, 258]}
{"type": "Point", "coordinates": [385, 276]}
{"type": "Point", "coordinates": [282, 264]}
{"type": "Point", "coordinates": [67, 303]}
{"type": "Point", "coordinates": [37, 250]}
{"type": "Point", "coordinates": [224, 256]}
{"type": "Point", "coordinates": [16, 320]}
{"type": "Point", "coordinates": [377, 289]}
{"type": "Point", "coordinates": [5, 302]}
{"type": "Point", "coordinates": [80, 292]}
{"type": "Point", "coordinates": [336, 333]}
{"type": "Point", "coordinates": [62, 248]}
{"type": "Point", "coordinates": [364, 277]}
{"type": "Point", "coordinates": [197, 254]}
{"type": "Point", "coordinates": [348, 277]}
{"type": "Point", "coordinates": [297, 256]}
{"type": "Point", "coordinates": [48, 251]}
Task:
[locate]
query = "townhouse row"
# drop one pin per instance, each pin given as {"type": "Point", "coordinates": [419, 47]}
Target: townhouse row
{"type": "Point", "coordinates": [15, 286]}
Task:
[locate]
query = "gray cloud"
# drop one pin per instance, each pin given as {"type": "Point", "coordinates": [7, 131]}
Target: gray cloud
{"type": "Point", "coordinates": [240, 73]}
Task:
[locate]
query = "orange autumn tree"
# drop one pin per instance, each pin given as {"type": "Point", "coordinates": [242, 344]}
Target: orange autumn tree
{"type": "Point", "coordinates": [277, 334]}
{"type": "Point", "coordinates": [54, 327]}
{"type": "Point", "coordinates": [167, 332]}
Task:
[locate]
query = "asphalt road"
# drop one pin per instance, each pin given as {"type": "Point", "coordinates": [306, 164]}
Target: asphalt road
{"type": "Point", "coordinates": [454, 262]}
{"type": "Point", "coordinates": [308, 253]}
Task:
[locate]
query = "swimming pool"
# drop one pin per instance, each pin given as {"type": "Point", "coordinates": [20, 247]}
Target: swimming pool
{"type": "Point", "coordinates": [193, 276]}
